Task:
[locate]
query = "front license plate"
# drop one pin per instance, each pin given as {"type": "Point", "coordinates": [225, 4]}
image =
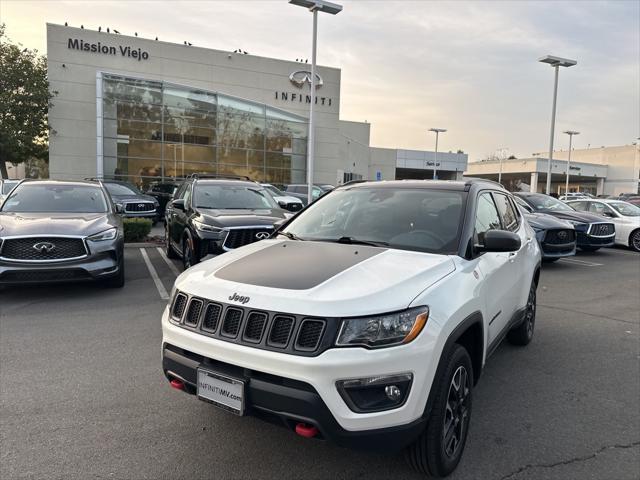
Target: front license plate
{"type": "Point", "coordinates": [224, 392]}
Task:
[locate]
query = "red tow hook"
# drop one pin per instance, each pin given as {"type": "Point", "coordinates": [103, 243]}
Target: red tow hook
{"type": "Point", "coordinates": [177, 384]}
{"type": "Point", "coordinates": [306, 431]}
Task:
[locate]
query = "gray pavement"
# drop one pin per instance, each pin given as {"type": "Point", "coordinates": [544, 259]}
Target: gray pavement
{"type": "Point", "coordinates": [82, 393]}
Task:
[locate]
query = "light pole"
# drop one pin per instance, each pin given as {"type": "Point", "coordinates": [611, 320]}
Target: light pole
{"type": "Point", "coordinates": [555, 62]}
{"type": "Point", "coordinates": [314, 6]}
{"type": "Point", "coordinates": [571, 133]}
{"type": "Point", "coordinates": [435, 158]}
{"type": "Point", "coordinates": [501, 158]}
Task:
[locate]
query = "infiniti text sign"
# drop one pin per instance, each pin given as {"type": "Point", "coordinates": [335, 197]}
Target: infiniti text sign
{"type": "Point", "coordinates": [136, 54]}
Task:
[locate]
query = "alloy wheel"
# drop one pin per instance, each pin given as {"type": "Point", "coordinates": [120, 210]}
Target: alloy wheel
{"type": "Point", "coordinates": [635, 240]}
{"type": "Point", "coordinates": [186, 254]}
{"type": "Point", "coordinates": [456, 417]}
{"type": "Point", "coordinates": [530, 314]}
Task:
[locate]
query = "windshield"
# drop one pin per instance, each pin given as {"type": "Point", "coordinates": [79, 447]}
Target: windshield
{"type": "Point", "coordinates": [545, 202]}
{"type": "Point", "coordinates": [410, 219]}
{"type": "Point", "coordinates": [232, 197]}
{"type": "Point", "coordinates": [275, 191]}
{"type": "Point", "coordinates": [56, 199]}
{"type": "Point", "coordinates": [121, 189]}
{"type": "Point", "coordinates": [625, 209]}
{"type": "Point", "coordinates": [7, 187]}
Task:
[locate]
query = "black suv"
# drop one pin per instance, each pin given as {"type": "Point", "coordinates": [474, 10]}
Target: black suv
{"type": "Point", "coordinates": [163, 193]}
{"type": "Point", "coordinates": [133, 203]}
{"type": "Point", "coordinates": [213, 214]}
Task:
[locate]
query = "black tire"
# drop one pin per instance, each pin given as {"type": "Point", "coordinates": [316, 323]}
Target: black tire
{"type": "Point", "coordinates": [432, 453]}
{"type": "Point", "coordinates": [634, 240]}
{"type": "Point", "coordinates": [589, 249]}
{"type": "Point", "coordinates": [168, 249]}
{"type": "Point", "coordinates": [117, 281]}
{"type": "Point", "coordinates": [550, 260]}
{"type": "Point", "coordinates": [189, 256]}
{"type": "Point", "coordinates": [523, 333]}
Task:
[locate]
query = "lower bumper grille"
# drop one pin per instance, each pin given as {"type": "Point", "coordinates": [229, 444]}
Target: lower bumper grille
{"type": "Point", "coordinates": [42, 249]}
{"type": "Point", "coordinates": [44, 276]}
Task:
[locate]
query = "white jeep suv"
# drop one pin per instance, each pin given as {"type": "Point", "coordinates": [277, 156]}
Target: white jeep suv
{"type": "Point", "coordinates": [366, 319]}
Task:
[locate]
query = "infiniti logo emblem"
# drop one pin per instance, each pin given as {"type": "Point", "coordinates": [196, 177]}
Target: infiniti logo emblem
{"type": "Point", "coordinates": [262, 235]}
{"type": "Point", "coordinates": [44, 247]}
{"type": "Point", "coordinates": [301, 77]}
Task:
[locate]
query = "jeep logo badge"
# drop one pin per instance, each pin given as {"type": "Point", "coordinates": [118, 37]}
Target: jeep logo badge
{"type": "Point", "coordinates": [262, 235]}
{"type": "Point", "coordinates": [44, 247]}
{"type": "Point", "coordinates": [238, 298]}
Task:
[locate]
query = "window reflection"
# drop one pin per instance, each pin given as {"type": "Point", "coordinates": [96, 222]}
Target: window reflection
{"type": "Point", "coordinates": [153, 129]}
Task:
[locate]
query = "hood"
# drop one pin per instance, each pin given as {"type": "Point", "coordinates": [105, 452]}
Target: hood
{"type": "Point", "coordinates": [241, 218]}
{"type": "Point", "coordinates": [83, 224]}
{"type": "Point", "coordinates": [286, 199]}
{"type": "Point", "coordinates": [545, 221]}
{"type": "Point", "coordinates": [582, 217]}
{"type": "Point", "coordinates": [317, 278]}
{"type": "Point", "coordinates": [133, 198]}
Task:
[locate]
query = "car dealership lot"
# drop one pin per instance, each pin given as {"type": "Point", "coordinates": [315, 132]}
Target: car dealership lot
{"type": "Point", "coordinates": [83, 395]}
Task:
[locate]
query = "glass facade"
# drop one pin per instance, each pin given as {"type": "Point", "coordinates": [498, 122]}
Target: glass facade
{"type": "Point", "coordinates": [154, 130]}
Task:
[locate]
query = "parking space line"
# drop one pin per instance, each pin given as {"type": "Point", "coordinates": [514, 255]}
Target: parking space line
{"type": "Point", "coordinates": [580, 262]}
{"type": "Point", "coordinates": [154, 275]}
{"type": "Point", "coordinates": [166, 259]}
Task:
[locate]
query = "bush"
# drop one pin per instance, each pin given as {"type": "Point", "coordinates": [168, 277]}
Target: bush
{"type": "Point", "coordinates": [136, 229]}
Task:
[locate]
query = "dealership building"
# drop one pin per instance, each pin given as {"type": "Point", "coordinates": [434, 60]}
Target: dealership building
{"type": "Point", "coordinates": [142, 109]}
{"type": "Point", "coordinates": [604, 170]}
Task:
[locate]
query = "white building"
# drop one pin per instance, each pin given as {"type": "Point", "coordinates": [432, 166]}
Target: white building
{"type": "Point", "coordinates": [139, 109]}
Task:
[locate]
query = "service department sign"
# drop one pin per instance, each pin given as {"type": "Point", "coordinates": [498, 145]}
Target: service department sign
{"type": "Point", "coordinates": [100, 48]}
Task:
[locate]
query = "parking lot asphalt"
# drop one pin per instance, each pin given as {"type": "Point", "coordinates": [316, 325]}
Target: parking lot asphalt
{"type": "Point", "coordinates": [82, 393]}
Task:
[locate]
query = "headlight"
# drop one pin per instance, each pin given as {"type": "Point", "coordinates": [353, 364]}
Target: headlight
{"type": "Point", "coordinates": [383, 330]}
{"type": "Point", "coordinates": [106, 235]}
{"type": "Point", "coordinates": [203, 227]}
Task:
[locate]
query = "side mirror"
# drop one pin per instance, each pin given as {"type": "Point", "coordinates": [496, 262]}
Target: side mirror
{"type": "Point", "coordinates": [607, 214]}
{"type": "Point", "coordinates": [119, 208]}
{"type": "Point", "coordinates": [500, 241]}
{"type": "Point", "coordinates": [178, 204]}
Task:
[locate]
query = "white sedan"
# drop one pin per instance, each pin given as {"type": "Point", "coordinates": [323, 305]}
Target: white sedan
{"type": "Point", "coordinates": [625, 215]}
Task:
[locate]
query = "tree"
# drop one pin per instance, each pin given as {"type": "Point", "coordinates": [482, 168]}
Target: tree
{"type": "Point", "coordinates": [24, 104]}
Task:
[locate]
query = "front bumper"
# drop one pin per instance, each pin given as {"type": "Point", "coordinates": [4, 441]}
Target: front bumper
{"type": "Point", "coordinates": [287, 402]}
{"type": "Point", "coordinates": [318, 402]}
{"type": "Point", "coordinates": [151, 215]}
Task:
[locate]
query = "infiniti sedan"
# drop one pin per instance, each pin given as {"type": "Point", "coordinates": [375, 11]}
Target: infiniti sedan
{"type": "Point", "coordinates": [57, 231]}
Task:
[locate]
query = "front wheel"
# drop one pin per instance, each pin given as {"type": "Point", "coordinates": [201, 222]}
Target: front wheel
{"type": "Point", "coordinates": [523, 333]}
{"type": "Point", "coordinates": [634, 240]}
{"type": "Point", "coordinates": [438, 450]}
{"type": "Point", "coordinates": [189, 257]}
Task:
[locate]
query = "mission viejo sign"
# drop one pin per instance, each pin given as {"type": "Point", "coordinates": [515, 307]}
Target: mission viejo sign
{"type": "Point", "coordinates": [136, 54]}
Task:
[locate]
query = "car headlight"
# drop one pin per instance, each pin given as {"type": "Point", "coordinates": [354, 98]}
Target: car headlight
{"type": "Point", "coordinates": [383, 330]}
{"type": "Point", "coordinates": [203, 227]}
{"type": "Point", "coordinates": [106, 235]}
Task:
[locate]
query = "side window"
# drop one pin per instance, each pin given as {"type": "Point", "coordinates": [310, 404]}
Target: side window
{"type": "Point", "coordinates": [180, 192]}
{"type": "Point", "coordinates": [524, 205]}
{"type": "Point", "coordinates": [597, 208]}
{"type": "Point", "coordinates": [187, 196]}
{"type": "Point", "coordinates": [580, 206]}
{"type": "Point", "coordinates": [509, 219]}
{"type": "Point", "coordinates": [487, 217]}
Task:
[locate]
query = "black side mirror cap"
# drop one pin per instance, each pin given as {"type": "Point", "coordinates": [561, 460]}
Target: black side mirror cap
{"type": "Point", "coordinates": [500, 241]}
{"type": "Point", "coordinates": [178, 204]}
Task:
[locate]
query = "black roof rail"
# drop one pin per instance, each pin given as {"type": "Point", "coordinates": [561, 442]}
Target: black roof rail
{"type": "Point", "coordinates": [205, 176]}
{"type": "Point", "coordinates": [352, 182]}
{"type": "Point", "coordinates": [471, 180]}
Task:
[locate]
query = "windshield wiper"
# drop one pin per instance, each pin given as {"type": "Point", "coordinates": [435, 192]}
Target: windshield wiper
{"type": "Point", "coordinates": [290, 235]}
{"type": "Point", "coordinates": [355, 241]}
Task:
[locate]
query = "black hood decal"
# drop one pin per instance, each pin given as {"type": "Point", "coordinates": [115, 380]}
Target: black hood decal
{"type": "Point", "coordinates": [296, 265]}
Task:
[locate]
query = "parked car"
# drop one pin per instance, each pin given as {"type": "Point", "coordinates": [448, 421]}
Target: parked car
{"type": "Point", "coordinates": [214, 215]}
{"type": "Point", "coordinates": [575, 196]}
{"type": "Point", "coordinates": [293, 204]}
{"type": "Point", "coordinates": [57, 231]}
{"type": "Point", "coordinates": [557, 238]}
{"type": "Point", "coordinates": [163, 193]}
{"type": "Point", "coordinates": [5, 188]}
{"type": "Point", "coordinates": [366, 320]}
{"type": "Point", "coordinates": [301, 191]}
{"type": "Point", "coordinates": [592, 232]}
{"type": "Point", "coordinates": [134, 203]}
{"type": "Point", "coordinates": [627, 196]}
{"type": "Point", "coordinates": [624, 215]}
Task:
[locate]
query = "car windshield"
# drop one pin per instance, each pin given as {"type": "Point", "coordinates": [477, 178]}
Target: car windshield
{"type": "Point", "coordinates": [545, 202]}
{"type": "Point", "coordinates": [232, 197]}
{"type": "Point", "coordinates": [7, 187]}
{"type": "Point", "coordinates": [56, 199]}
{"type": "Point", "coordinates": [625, 209]}
{"type": "Point", "coordinates": [121, 189]}
{"type": "Point", "coordinates": [410, 219]}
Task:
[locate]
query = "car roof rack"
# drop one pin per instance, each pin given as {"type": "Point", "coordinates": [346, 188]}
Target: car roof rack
{"type": "Point", "coordinates": [205, 176]}
{"type": "Point", "coordinates": [352, 182]}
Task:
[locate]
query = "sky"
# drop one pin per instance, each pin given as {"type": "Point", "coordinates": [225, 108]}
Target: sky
{"type": "Point", "coordinates": [468, 66]}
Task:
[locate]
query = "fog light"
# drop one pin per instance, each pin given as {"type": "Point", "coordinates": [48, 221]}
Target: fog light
{"type": "Point", "coordinates": [393, 392]}
{"type": "Point", "coordinates": [375, 394]}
